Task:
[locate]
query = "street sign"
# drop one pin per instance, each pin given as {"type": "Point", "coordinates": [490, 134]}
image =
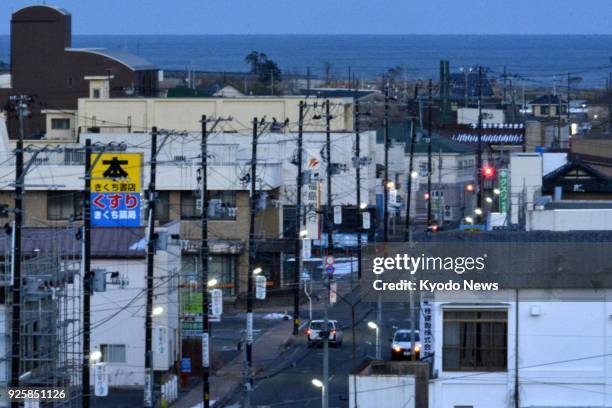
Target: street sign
{"type": "Point", "coordinates": [185, 365]}
{"type": "Point", "coordinates": [260, 287]}
{"type": "Point", "coordinates": [426, 328]}
{"type": "Point", "coordinates": [115, 189]}
{"type": "Point", "coordinates": [216, 296]}
{"type": "Point", "coordinates": [329, 260]}
{"type": "Point", "coordinates": [337, 215]}
{"type": "Point", "coordinates": [330, 269]}
{"type": "Point", "coordinates": [503, 190]}
{"type": "Point", "coordinates": [100, 380]}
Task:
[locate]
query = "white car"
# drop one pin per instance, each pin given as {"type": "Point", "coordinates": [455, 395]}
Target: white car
{"type": "Point", "coordinates": [316, 333]}
{"type": "Point", "coordinates": [400, 345]}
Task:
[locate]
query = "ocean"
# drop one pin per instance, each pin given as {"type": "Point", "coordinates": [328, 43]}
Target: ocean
{"type": "Point", "coordinates": [534, 60]}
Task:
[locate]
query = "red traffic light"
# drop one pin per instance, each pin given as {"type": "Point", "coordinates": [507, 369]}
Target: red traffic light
{"type": "Point", "coordinates": [488, 171]}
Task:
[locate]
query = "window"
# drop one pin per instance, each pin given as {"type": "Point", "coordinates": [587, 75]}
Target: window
{"type": "Point", "coordinates": [220, 267]}
{"type": "Point", "coordinates": [162, 206]}
{"type": "Point", "coordinates": [61, 205]}
{"type": "Point", "coordinates": [112, 353]}
{"type": "Point", "coordinates": [188, 206]}
{"type": "Point", "coordinates": [96, 93]}
{"type": "Point", "coordinates": [544, 110]}
{"type": "Point", "coordinates": [222, 205]}
{"type": "Point", "coordinates": [60, 123]}
{"type": "Point", "coordinates": [475, 340]}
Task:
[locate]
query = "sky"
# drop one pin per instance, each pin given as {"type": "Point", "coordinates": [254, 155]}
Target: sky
{"type": "Point", "coordinates": [329, 16]}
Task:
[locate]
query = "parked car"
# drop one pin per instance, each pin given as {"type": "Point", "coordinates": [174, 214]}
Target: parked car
{"type": "Point", "coordinates": [400, 345]}
{"type": "Point", "coordinates": [316, 333]}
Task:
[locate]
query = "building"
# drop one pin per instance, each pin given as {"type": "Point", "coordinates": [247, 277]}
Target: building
{"type": "Point", "coordinates": [548, 106]}
{"type": "Point", "coordinates": [529, 344]}
{"type": "Point", "coordinates": [46, 66]}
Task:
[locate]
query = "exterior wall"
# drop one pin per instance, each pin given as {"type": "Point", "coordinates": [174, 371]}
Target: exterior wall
{"type": "Point", "coordinates": [525, 182]}
{"type": "Point", "coordinates": [373, 391]}
{"type": "Point", "coordinates": [568, 220]}
{"type": "Point", "coordinates": [185, 113]}
{"type": "Point", "coordinates": [563, 349]}
{"type": "Point", "coordinates": [60, 134]}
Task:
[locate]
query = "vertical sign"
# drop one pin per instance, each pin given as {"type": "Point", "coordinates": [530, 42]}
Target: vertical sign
{"type": "Point", "coordinates": [205, 350]}
{"type": "Point", "coordinates": [161, 340]}
{"type": "Point", "coordinates": [306, 249]}
{"type": "Point", "coordinates": [337, 215]}
{"type": "Point", "coordinates": [115, 189]}
{"type": "Point", "coordinates": [503, 190]}
{"type": "Point", "coordinates": [427, 328]}
{"type": "Point", "coordinates": [365, 220]}
{"type": "Point", "coordinates": [333, 294]}
{"type": "Point", "coordinates": [100, 380]}
{"type": "Point", "coordinates": [260, 287]}
{"type": "Point", "coordinates": [216, 296]}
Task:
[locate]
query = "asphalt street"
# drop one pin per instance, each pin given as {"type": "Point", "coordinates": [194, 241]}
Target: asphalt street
{"type": "Point", "coordinates": [287, 380]}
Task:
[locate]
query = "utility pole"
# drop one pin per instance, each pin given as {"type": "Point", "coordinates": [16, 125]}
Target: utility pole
{"type": "Point", "coordinates": [609, 102]}
{"type": "Point", "coordinates": [149, 377]}
{"type": "Point", "coordinates": [479, 152]}
{"type": "Point", "coordinates": [569, 95]}
{"type": "Point", "coordinates": [386, 165]}
{"type": "Point", "coordinates": [298, 226]}
{"type": "Point", "coordinates": [429, 168]}
{"type": "Point", "coordinates": [206, 337]}
{"type": "Point", "coordinates": [328, 220]}
{"type": "Point", "coordinates": [249, 316]}
{"type": "Point", "coordinates": [409, 184]}
{"type": "Point", "coordinates": [358, 185]}
{"type": "Point", "coordinates": [18, 222]}
{"type": "Point", "coordinates": [87, 277]}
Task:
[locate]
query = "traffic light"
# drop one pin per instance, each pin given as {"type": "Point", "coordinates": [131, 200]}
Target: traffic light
{"type": "Point", "coordinates": [488, 171]}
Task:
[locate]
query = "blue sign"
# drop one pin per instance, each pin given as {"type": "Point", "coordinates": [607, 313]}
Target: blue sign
{"type": "Point", "coordinates": [330, 269]}
{"type": "Point", "coordinates": [185, 365]}
{"type": "Point", "coordinates": [115, 209]}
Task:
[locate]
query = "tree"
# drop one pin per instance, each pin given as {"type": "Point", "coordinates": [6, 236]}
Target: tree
{"type": "Point", "coordinates": [265, 69]}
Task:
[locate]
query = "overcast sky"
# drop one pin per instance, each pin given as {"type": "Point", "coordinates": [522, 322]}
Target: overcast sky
{"type": "Point", "coordinates": [330, 16]}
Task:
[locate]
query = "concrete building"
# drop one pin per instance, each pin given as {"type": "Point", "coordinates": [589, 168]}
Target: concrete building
{"type": "Point", "coordinates": [44, 64]}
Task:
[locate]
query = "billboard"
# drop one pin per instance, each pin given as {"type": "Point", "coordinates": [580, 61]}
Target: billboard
{"type": "Point", "coordinates": [116, 184]}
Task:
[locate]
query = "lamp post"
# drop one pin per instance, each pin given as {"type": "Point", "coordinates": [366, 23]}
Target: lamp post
{"type": "Point", "coordinates": [319, 384]}
{"type": "Point", "coordinates": [374, 326]}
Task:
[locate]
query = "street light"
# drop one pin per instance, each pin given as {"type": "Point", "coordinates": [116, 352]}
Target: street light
{"type": "Point", "coordinates": [303, 233]}
{"type": "Point", "coordinates": [374, 326]}
{"type": "Point", "coordinates": [414, 174]}
{"type": "Point", "coordinates": [319, 384]}
{"type": "Point", "coordinates": [496, 191]}
{"type": "Point", "coordinates": [257, 271]}
{"type": "Point", "coordinates": [363, 206]}
{"type": "Point", "coordinates": [391, 185]}
{"type": "Point", "coordinates": [212, 282]}
{"type": "Point", "coordinates": [469, 220]}
{"type": "Point", "coordinates": [158, 310]}
{"type": "Point", "coordinates": [489, 200]}
{"type": "Point", "coordinates": [478, 211]}
{"type": "Point", "coordinates": [95, 356]}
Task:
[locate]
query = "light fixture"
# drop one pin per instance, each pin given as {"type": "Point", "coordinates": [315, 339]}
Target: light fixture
{"type": "Point", "coordinates": [158, 310]}
{"type": "Point", "coordinates": [391, 185]}
{"type": "Point", "coordinates": [317, 383]}
{"type": "Point", "coordinates": [372, 325]}
{"type": "Point", "coordinates": [489, 200]}
{"type": "Point", "coordinates": [257, 271]}
{"type": "Point", "coordinates": [478, 211]}
{"type": "Point", "coordinates": [212, 282]}
{"type": "Point", "coordinates": [303, 233]}
{"type": "Point", "coordinates": [363, 206]}
{"type": "Point", "coordinates": [496, 191]}
{"type": "Point", "coordinates": [95, 355]}
{"type": "Point", "coordinates": [414, 174]}
{"type": "Point", "coordinates": [469, 220]}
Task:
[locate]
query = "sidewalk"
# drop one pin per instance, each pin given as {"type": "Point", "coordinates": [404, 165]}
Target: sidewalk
{"type": "Point", "coordinates": [229, 379]}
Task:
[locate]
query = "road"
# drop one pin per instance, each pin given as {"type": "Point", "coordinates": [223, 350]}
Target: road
{"type": "Point", "coordinates": [287, 381]}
